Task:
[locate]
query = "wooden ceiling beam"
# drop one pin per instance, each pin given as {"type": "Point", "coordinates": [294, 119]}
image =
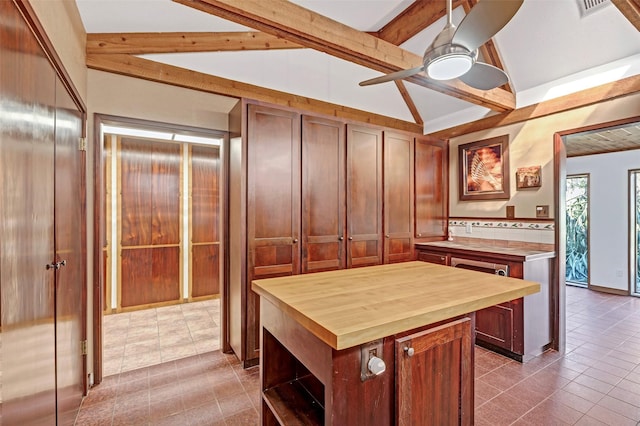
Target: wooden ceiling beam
{"type": "Point", "coordinates": [299, 25]}
{"type": "Point", "coordinates": [630, 9]}
{"type": "Point", "coordinates": [144, 43]}
{"type": "Point", "coordinates": [603, 93]}
{"type": "Point", "coordinates": [414, 19]}
{"type": "Point", "coordinates": [146, 69]}
{"type": "Point", "coordinates": [409, 101]}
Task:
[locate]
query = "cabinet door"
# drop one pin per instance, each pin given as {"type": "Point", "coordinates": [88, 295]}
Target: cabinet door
{"type": "Point", "coordinates": [434, 376]}
{"type": "Point", "coordinates": [27, 98]}
{"type": "Point", "coordinates": [273, 203]}
{"type": "Point", "coordinates": [398, 198]}
{"type": "Point", "coordinates": [494, 325]}
{"type": "Point", "coordinates": [323, 195]}
{"type": "Point", "coordinates": [364, 196]}
{"type": "Point", "coordinates": [432, 192]}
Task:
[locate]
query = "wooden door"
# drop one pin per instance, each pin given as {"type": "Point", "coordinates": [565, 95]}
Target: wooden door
{"type": "Point", "coordinates": [70, 232]}
{"type": "Point", "coordinates": [432, 192]}
{"type": "Point", "coordinates": [205, 214]}
{"type": "Point", "coordinates": [273, 204]}
{"type": "Point", "coordinates": [323, 195]}
{"type": "Point", "coordinates": [364, 196]}
{"type": "Point", "coordinates": [398, 197]}
{"type": "Point", "coordinates": [150, 222]}
{"type": "Point", "coordinates": [27, 98]}
{"type": "Point", "coordinates": [434, 376]}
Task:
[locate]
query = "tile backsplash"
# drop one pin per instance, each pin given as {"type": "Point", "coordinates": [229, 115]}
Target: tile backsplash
{"type": "Point", "coordinates": [503, 231]}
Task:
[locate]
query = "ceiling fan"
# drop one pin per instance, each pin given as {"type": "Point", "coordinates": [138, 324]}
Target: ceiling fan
{"type": "Point", "coordinates": [454, 52]}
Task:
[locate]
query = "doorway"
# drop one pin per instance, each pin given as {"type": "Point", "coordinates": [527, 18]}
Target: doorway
{"type": "Point", "coordinates": [577, 230]}
{"type": "Point", "coordinates": [160, 249]}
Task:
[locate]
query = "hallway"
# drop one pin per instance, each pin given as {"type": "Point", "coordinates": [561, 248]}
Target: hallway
{"type": "Point", "coordinates": [597, 382]}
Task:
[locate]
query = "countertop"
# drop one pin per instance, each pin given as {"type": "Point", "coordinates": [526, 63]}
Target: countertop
{"type": "Point", "coordinates": [350, 307]}
{"type": "Point", "coordinates": [520, 253]}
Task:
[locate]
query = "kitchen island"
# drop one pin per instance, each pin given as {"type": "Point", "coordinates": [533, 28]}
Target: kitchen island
{"type": "Point", "coordinates": [381, 345]}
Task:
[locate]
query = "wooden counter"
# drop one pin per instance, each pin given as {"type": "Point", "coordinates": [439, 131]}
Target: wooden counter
{"type": "Point", "coordinates": [353, 306]}
{"type": "Point", "coordinates": [320, 331]}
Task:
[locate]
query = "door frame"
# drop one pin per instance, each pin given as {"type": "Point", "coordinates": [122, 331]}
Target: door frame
{"type": "Point", "coordinates": [558, 291]}
{"type": "Point", "coordinates": [99, 221]}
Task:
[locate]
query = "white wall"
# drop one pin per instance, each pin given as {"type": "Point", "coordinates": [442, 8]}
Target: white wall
{"type": "Point", "coordinates": [608, 214]}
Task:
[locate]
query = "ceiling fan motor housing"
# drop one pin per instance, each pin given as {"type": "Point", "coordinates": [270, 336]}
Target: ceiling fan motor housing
{"type": "Point", "coordinates": [448, 61]}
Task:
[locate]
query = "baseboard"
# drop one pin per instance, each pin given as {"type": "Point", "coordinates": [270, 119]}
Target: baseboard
{"type": "Point", "coordinates": [609, 290]}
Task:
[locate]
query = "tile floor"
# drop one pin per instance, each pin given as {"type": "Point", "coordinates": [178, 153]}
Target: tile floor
{"type": "Point", "coordinates": [137, 339]}
{"type": "Point", "coordinates": [596, 382]}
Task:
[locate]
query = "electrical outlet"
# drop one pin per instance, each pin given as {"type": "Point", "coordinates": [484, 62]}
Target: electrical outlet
{"type": "Point", "coordinates": [468, 228]}
{"type": "Point", "coordinates": [542, 211]}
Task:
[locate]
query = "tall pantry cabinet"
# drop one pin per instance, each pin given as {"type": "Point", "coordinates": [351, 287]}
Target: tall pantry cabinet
{"type": "Point", "coordinates": [316, 194]}
{"type": "Point", "coordinates": [42, 229]}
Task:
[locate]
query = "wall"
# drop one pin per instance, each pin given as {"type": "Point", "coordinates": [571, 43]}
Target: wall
{"type": "Point", "coordinates": [608, 214]}
{"type": "Point", "coordinates": [62, 23]}
{"type": "Point", "coordinates": [531, 144]}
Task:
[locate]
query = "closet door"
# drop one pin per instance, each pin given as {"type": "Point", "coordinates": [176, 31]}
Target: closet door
{"type": "Point", "coordinates": [323, 195]}
{"type": "Point", "coordinates": [364, 196]}
{"type": "Point", "coordinates": [431, 159]}
{"type": "Point", "coordinates": [27, 89]}
{"type": "Point", "coordinates": [273, 204]}
{"type": "Point", "coordinates": [70, 232]}
{"type": "Point", "coordinates": [398, 197]}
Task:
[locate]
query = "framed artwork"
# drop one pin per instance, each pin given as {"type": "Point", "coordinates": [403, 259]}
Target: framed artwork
{"type": "Point", "coordinates": [484, 169]}
{"type": "Point", "coordinates": [528, 177]}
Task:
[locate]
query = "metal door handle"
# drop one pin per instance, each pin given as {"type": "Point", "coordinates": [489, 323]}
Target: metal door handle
{"type": "Point", "coordinates": [56, 265]}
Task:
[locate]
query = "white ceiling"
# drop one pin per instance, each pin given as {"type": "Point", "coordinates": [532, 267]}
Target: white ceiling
{"type": "Point", "coordinates": [547, 49]}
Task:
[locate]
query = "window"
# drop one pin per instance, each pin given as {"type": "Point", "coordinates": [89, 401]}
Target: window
{"type": "Point", "coordinates": [577, 256]}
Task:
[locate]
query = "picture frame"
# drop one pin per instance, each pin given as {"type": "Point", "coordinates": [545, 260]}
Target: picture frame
{"type": "Point", "coordinates": [483, 169]}
{"type": "Point", "coordinates": [528, 177]}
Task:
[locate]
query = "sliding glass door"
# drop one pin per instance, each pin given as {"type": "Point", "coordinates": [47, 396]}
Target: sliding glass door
{"type": "Point", "coordinates": [577, 256]}
{"type": "Point", "coordinates": [634, 228]}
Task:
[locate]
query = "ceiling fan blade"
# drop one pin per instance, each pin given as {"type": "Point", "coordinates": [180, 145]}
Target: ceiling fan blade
{"type": "Point", "coordinates": [484, 76]}
{"type": "Point", "coordinates": [484, 20]}
{"type": "Point", "coordinates": [398, 75]}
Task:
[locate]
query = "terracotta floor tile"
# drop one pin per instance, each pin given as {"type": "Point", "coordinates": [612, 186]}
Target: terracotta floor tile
{"type": "Point", "coordinates": [597, 381]}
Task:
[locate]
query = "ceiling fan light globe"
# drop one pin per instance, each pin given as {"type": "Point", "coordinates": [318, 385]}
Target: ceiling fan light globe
{"type": "Point", "coordinates": [449, 66]}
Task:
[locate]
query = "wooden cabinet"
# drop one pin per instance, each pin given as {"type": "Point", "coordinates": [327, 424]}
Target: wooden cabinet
{"type": "Point", "coordinates": [364, 196]}
{"type": "Point", "coordinates": [43, 229]}
{"type": "Point", "coordinates": [316, 194]}
{"type": "Point", "coordinates": [431, 187]}
{"type": "Point", "coordinates": [398, 197]}
{"type": "Point", "coordinates": [306, 382]}
{"type": "Point", "coordinates": [273, 202]}
{"type": "Point", "coordinates": [323, 195]}
{"type": "Point", "coordinates": [434, 376]}
{"type": "Point", "coordinates": [519, 328]}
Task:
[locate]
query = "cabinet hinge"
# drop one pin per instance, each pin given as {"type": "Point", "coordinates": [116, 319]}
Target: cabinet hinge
{"type": "Point", "coordinates": [83, 144]}
{"type": "Point", "coordinates": [83, 345]}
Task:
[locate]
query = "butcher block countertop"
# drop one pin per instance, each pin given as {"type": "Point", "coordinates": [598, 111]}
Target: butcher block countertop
{"type": "Point", "coordinates": [350, 307]}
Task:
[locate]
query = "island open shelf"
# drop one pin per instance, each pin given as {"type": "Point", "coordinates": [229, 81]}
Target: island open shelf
{"type": "Point", "coordinates": [319, 332]}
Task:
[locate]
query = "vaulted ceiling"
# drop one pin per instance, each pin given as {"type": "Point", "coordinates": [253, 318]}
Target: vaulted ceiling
{"type": "Point", "coordinates": [312, 54]}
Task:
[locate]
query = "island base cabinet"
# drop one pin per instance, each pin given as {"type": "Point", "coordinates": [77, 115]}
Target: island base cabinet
{"type": "Point", "coordinates": [434, 376]}
{"type": "Point", "coordinates": [304, 381]}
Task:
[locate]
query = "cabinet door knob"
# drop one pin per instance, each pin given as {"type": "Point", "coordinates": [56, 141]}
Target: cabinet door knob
{"type": "Point", "coordinates": [340, 238]}
{"type": "Point", "coordinates": [409, 351]}
{"type": "Point", "coordinates": [419, 235]}
{"type": "Point", "coordinates": [295, 241]}
{"type": "Point", "coordinates": [387, 235]}
{"type": "Point", "coordinates": [56, 265]}
{"type": "Point", "coordinates": [350, 238]}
